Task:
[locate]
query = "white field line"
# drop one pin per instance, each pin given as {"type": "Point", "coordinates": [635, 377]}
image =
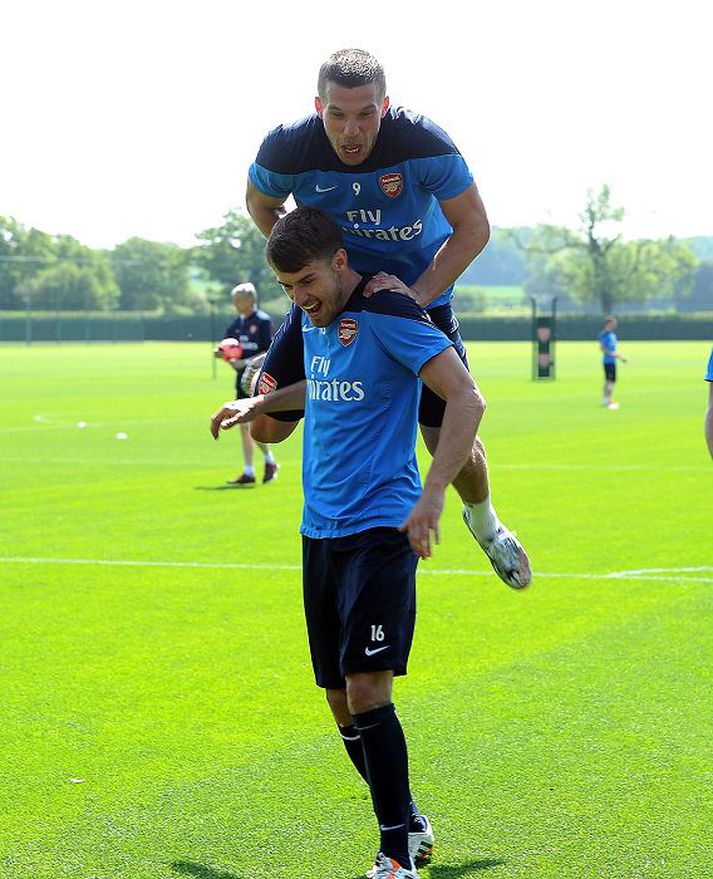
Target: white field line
{"type": "Point", "coordinates": [617, 468]}
{"type": "Point", "coordinates": [673, 574]}
{"type": "Point", "coordinates": [150, 462]}
{"type": "Point", "coordinates": [43, 424]}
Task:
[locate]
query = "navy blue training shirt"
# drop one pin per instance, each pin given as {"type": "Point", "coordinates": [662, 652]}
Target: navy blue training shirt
{"type": "Point", "coordinates": [388, 206]}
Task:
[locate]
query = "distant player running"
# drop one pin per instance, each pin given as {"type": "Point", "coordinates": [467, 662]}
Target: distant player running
{"type": "Point", "coordinates": [366, 519]}
{"type": "Point", "coordinates": [607, 345]}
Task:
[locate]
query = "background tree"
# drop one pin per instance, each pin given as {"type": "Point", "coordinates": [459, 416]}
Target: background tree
{"type": "Point", "coordinates": [70, 287]}
{"type": "Point", "coordinates": [235, 252]}
{"type": "Point", "coordinates": [595, 264]}
{"type": "Point", "coordinates": [151, 274]}
{"type": "Point", "coordinates": [24, 253]}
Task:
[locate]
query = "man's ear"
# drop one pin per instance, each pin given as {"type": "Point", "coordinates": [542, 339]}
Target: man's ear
{"type": "Point", "coordinates": [340, 260]}
{"type": "Point", "coordinates": [385, 106]}
{"type": "Point", "coordinates": [318, 106]}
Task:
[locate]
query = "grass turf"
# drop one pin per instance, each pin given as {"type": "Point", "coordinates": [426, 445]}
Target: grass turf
{"type": "Point", "coordinates": [159, 718]}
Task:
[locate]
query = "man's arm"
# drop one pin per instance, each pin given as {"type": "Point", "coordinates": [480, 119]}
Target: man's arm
{"type": "Point", "coordinates": [246, 410]}
{"type": "Point", "coordinates": [709, 420]}
{"type": "Point", "coordinates": [471, 232]}
{"type": "Point", "coordinates": [265, 210]}
{"type": "Point", "coordinates": [446, 375]}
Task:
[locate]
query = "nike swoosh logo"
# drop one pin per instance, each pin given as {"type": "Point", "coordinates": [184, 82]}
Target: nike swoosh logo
{"type": "Point", "coordinates": [370, 652]}
{"type": "Point", "coordinates": [308, 329]}
{"type": "Point", "coordinates": [319, 188]}
{"type": "Point", "coordinates": [393, 827]}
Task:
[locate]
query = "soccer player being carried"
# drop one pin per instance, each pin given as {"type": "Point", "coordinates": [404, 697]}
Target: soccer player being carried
{"type": "Point", "coordinates": [402, 194]}
{"type": "Point", "coordinates": [353, 363]}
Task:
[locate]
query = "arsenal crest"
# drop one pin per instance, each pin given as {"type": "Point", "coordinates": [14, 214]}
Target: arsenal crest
{"type": "Point", "coordinates": [348, 329]}
{"type": "Point", "coordinates": [392, 184]}
{"type": "Point", "coordinates": [267, 384]}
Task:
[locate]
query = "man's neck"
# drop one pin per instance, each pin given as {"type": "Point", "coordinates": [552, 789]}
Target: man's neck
{"type": "Point", "coordinates": [349, 281]}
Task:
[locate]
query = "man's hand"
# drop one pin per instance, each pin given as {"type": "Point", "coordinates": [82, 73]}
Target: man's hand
{"type": "Point", "coordinates": [422, 520]}
{"type": "Point", "coordinates": [382, 281]}
{"type": "Point", "coordinates": [232, 413]}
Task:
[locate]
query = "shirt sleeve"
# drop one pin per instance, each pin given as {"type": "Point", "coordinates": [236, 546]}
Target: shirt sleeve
{"type": "Point", "coordinates": [270, 182]}
{"type": "Point", "coordinates": [444, 176]}
{"type": "Point", "coordinates": [709, 373]}
{"type": "Point", "coordinates": [265, 334]}
{"type": "Point", "coordinates": [284, 364]}
{"type": "Point", "coordinates": [406, 333]}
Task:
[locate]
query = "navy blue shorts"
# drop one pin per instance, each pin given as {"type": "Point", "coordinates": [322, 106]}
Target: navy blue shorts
{"type": "Point", "coordinates": [430, 412]}
{"type": "Point", "coordinates": [360, 603]}
{"type": "Point", "coordinates": [610, 372]}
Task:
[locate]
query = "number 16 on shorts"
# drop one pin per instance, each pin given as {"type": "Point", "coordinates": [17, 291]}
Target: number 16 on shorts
{"type": "Point", "coordinates": [377, 636]}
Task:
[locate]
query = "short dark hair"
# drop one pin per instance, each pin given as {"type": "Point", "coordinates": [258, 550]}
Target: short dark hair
{"type": "Point", "coordinates": [351, 68]}
{"type": "Point", "coordinates": [300, 237]}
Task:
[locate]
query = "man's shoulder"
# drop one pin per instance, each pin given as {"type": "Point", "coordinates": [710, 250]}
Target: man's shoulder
{"type": "Point", "coordinates": [294, 147]}
{"type": "Point", "coordinates": [262, 316]}
{"type": "Point", "coordinates": [416, 134]}
{"type": "Point", "coordinates": [387, 303]}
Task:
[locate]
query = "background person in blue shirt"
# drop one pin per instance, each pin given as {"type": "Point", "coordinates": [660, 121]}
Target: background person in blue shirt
{"type": "Point", "coordinates": [709, 413]}
{"type": "Point", "coordinates": [404, 198]}
{"type": "Point", "coordinates": [254, 330]}
{"type": "Point", "coordinates": [366, 518]}
{"type": "Point", "coordinates": [607, 344]}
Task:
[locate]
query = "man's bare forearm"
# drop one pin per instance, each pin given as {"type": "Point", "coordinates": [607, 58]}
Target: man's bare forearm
{"type": "Point", "coordinates": [450, 261]}
{"type": "Point", "coordinates": [282, 400]}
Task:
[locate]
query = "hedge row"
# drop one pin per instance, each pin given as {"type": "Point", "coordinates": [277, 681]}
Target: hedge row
{"type": "Point", "coordinates": [126, 326]}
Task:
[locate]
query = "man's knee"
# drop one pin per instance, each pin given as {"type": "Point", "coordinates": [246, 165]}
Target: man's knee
{"type": "Point", "coordinates": [368, 690]}
{"type": "Point", "coordinates": [337, 701]}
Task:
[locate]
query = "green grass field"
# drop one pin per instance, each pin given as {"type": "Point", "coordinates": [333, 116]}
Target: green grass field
{"type": "Point", "coordinates": [158, 714]}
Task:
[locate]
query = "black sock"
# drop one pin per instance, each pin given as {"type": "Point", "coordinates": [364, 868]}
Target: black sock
{"type": "Point", "coordinates": [386, 761]}
{"type": "Point", "coordinates": [352, 743]}
{"type": "Point", "coordinates": [353, 747]}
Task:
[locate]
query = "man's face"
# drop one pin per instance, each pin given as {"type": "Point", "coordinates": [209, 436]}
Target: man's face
{"type": "Point", "coordinates": [352, 118]}
{"type": "Point", "coordinates": [317, 288]}
{"type": "Point", "coordinates": [244, 305]}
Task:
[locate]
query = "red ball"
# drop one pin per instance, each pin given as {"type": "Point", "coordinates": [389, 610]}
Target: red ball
{"type": "Point", "coordinates": [231, 349]}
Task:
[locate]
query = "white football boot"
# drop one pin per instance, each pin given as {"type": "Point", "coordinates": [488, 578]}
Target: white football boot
{"type": "Point", "coordinates": [386, 868]}
{"type": "Point", "coordinates": [420, 847]}
{"type": "Point", "coordinates": [506, 554]}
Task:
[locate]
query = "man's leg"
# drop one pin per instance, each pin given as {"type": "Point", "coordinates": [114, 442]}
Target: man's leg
{"type": "Point", "coordinates": [386, 758]}
{"type": "Point", "coordinates": [608, 388]}
{"type": "Point", "coordinates": [506, 554]}
{"type": "Point", "coordinates": [271, 465]}
{"type": "Point", "coordinates": [610, 379]}
{"type": "Point", "coordinates": [418, 824]}
{"type": "Point", "coordinates": [247, 477]}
